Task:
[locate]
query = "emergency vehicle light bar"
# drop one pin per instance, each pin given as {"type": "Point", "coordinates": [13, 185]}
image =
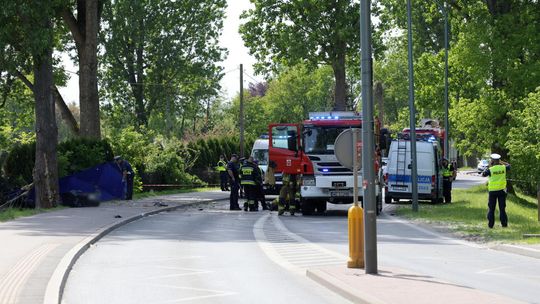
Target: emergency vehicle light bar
{"type": "Point", "coordinates": [333, 115]}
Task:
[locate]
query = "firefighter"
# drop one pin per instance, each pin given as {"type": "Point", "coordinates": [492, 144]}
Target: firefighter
{"type": "Point", "coordinates": [287, 194]}
{"type": "Point", "coordinates": [260, 189]}
{"type": "Point", "coordinates": [497, 189]}
{"type": "Point", "coordinates": [223, 175]}
{"type": "Point", "coordinates": [448, 173]}
{"type": "Point", "coordinates": [250, 178]}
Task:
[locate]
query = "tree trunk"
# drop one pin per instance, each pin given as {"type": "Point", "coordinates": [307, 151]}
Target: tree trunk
{"type": "Point", "coordinates": [46, 166]}
{"type": "Point", "coordinates": [88, 87]}
{"type": "Point", "coordinates": [379, 100]}
{"type": "Point", "coordinates": [340, 103]}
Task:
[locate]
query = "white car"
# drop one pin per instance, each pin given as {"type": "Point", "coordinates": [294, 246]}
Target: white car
{"type": "Point", "coordinates": [482, 165]}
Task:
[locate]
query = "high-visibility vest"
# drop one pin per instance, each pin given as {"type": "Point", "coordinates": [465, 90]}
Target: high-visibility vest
{"type": "Point", "coordinates": [446, 172]}
{"type": "Point", "coordinates": [497, 178]}
{"type": "Point", "coordinates": [247, 175]}
{"type": "Point", "coordinates": [221, 166]}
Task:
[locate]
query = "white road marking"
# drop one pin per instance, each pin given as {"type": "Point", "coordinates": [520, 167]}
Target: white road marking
{"type": "Point", "coordinates": [216, 293]}
{"type": "Point", "coordinates": [290, 250]}
{"type": "Point", "coordinates": [13, 282]}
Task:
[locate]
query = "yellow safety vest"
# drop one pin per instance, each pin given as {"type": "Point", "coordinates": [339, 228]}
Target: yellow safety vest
{"type": "Point", "coordinates": [497, 178]}
{"type": "Point", "coordinates": [221, 166]}
{"type": "Point", "coordinates": [446, 172]}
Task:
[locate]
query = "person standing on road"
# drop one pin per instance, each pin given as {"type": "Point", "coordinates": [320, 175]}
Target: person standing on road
{"type": "Point", "coordinates": [260, 188]}
{"type": "Point", "coordinates": [127, 177]}
{"type": "Point", "coordinates": [448, 173]}
{"type": "Point", "coordinates": [287, 194]}
{"type": "Point", "coordinates": [497, 189]}
{"type": "Point", "coordinates": [251, 178]}
{"type": "Point", "coordinates": [234, 181]}
{"type": "Point", "coordinates": [223, 176]}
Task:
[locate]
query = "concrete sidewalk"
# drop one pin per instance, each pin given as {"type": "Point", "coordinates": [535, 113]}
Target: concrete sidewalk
{"type": "Point", "coordinates": [396, 286]}
{"type": "Point", "coordinates": [38, 251]}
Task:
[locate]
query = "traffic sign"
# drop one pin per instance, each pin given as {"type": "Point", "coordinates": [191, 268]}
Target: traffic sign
{"type": "Point", "coordinates": [343, 149]}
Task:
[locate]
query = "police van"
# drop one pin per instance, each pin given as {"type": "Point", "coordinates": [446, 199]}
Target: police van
{"type": "Point", "coordinates": [398, 172]}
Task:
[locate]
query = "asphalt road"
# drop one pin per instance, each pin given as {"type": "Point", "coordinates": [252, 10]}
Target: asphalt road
{"type": "Point", "coordinates": [207, 254]}
{"type": "Point", "coordinates": [189, 256]}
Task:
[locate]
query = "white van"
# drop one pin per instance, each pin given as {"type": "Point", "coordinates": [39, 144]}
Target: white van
{"type": "Point", "coordinates": [398, 172]}
{"type": "Point", "coordinates": [260, 152]}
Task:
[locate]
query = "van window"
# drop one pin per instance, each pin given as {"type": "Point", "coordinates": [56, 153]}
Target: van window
{"type": "Point", "coordinates": [261, 155]}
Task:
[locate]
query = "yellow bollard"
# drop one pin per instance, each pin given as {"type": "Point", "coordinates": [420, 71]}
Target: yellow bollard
{"type": "Point", "coordinates": [356, 237]}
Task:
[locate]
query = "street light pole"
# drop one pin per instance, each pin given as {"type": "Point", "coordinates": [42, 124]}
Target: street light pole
{"type": "Point", "coordinates": [412, 117]}
{"type": "Point", "coordinates": [446, 122]}
{"type": "Point", "coordinates": [368, 170]}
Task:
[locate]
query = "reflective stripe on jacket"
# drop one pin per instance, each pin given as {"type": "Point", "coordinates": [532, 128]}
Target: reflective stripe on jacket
{"type": "Point", "coordinates": [247, 175]}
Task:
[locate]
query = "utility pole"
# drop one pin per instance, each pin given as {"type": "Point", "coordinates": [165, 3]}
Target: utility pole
{"type": "Point", "coordinates": [368, 168]}
{"type": "Point", "coordinates": [412, 117]}
{"type": "Point", "coordinates": [241, 110]}
{"type": "Point", "coordinates": [446, 122]}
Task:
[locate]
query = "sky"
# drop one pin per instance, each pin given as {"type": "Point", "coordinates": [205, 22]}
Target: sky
{"type": "Point", "coordinates": [230, 39]}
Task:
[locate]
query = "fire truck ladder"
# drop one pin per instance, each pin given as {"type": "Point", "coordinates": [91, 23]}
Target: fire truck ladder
{"type": "Point", "coordinates": [401, 165]}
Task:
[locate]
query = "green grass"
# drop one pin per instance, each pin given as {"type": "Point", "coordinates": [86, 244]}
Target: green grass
{"type": "Point", "coordinates": [13, 213]}
{"type": "Point", "coordinates": [466, 216]}
{"type": "Point", "coordinates": [466, 168]}
{"type": "Point", "coordinates": [153, 193]}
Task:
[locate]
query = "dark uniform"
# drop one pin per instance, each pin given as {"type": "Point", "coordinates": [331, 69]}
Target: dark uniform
{"type": "Point", "coordinates": [260, 191]}
{"type": "Point", "coordinates": [223, 176]}
{"type": "Point", "coordinates": [497, 191]}
{"type": "Point", "coordinates": [448, 176]}
{"type": "Point", "coordinates": [234, 181]}
{"type": "Point", "coordinates": [250, 179]}
{"type": "Point", "coordinates": [127, 177]}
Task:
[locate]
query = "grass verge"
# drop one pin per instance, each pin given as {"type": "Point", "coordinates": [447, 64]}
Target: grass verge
{"type": "Point", "coordinates": [153, 193]}
{"type": "Point", "coordinates": [466, 216]}
{"type": "Point", "coordinates": [13, 213]}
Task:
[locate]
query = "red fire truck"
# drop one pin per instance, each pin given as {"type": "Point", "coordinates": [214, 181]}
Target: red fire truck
{"type": "Point", "coordinates": [307, 151]}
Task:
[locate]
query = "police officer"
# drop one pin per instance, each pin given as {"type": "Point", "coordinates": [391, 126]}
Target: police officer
{"type": "Point", "coordinates": [497, 189]}
{"type": "Point", "coordinates": [448, 176]}
{"type": "Point", "coordinates": [250, 177]}
{"type": "Point", "coordinates": [234, 178]}
{"type": "Point", "coordinates": [127, 177]}
{"type": "Point", "coordinates": [287, 194]}
{"type": "Point", "coordinates": [223, 176]}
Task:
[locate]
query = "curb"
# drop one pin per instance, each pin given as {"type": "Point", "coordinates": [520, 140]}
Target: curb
{"type": "Point", "coordinates": [515, 249]}
{"type": "Point", "coordinates": [57, 282]}
{"type": "Point", "coordinates": [340, 288]}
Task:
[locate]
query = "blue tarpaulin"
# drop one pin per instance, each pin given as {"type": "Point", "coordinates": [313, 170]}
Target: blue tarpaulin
{"type": "Point", "coordinates": [104, 179]}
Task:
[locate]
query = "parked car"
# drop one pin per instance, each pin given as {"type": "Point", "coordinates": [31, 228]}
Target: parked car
{"type": "Point", "coordinates": [482, 165]}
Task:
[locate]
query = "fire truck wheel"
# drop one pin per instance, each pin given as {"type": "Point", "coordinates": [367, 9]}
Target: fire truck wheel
{"type": "Point", "coordinates": [308, 207]}
{"type": "Point", "coordinates": [387, 199]}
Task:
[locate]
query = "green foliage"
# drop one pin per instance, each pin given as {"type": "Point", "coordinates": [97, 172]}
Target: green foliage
{"type": "Point", "coordinates": [524, 143]}
{"type": "Point", "coordinates": [289, 98]}
{"type": "Point", "coordinates": [75, 155]}
{"type": "Point", "coordinates": [19, 164]}
{"type": "Point", "coordinates": [160, 61]}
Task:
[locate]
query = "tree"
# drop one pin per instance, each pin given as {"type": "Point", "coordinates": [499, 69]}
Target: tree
{"type": "Point", "coordinates": [160, 56]}
{"type": "Point", "coordinates": [28, 34]}
{"type": "Point", "coordinates": [285, 33]}
{"type": "Point", "coordinates": [84, 29]}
